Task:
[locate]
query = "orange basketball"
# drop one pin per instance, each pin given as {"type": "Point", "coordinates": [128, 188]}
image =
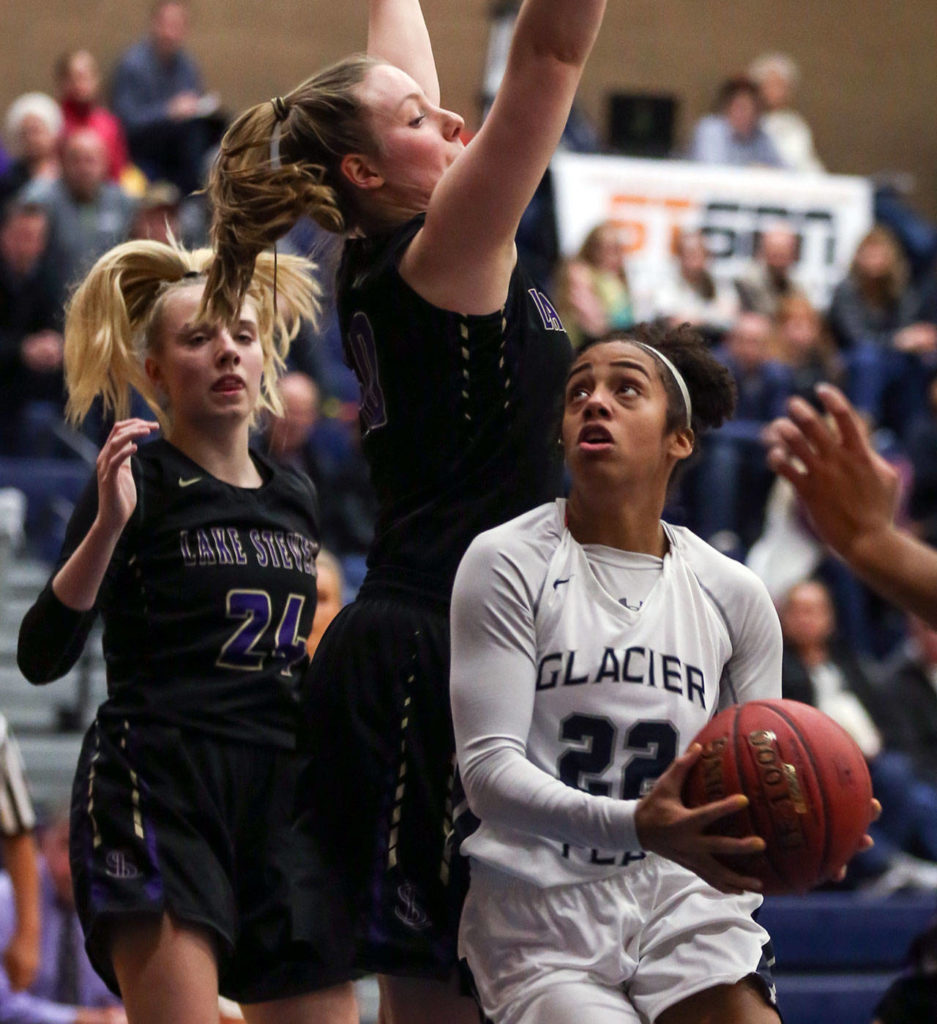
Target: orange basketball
{"type": "Point", "coordinates": [807, 784]}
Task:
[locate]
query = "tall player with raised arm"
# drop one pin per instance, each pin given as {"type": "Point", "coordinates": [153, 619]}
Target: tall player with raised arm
{"type": "Point", "coordinates": [459, 356]}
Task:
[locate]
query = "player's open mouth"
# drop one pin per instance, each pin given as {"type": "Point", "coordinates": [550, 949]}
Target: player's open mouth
{"type": "Point", "coordinates": [228, 385]}
{"type": "Point", "coordinates": [594, 437]}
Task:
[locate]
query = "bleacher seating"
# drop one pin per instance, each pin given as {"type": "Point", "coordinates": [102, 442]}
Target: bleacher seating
{"type": "Point", "coordinates": [48, 720]}
{"type": "Point", "coordinates": [836, 953]}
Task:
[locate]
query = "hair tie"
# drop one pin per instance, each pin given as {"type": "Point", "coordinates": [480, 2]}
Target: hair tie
{"type": "Point", "coordinates": [280, 110]}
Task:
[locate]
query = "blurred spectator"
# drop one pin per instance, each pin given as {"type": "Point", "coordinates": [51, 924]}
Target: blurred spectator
{"type": "Point", "coordinates": [692, 295]}
{"type": "Point", "coordinates": [731, 479]}
{"type": "Point", "coordinates": [776, 76]}
{"type": "Point", "coordinates": [161, 211]}
{"type": "Point", "coordinates": [158, 95]}
{"type": "Point", "coordinates": [31, 376]}
{"type": "Point", "coordinates": [66, 988]}
{"type": "Point", "coordinates": [917, 233]}
{"type": "Point", "coordinates": [328, 451]}
{"type": "Point", "coordinates": [802, 343]}
{"type": "Point", "coordinates": [910, 681]}
{"type": "Point", "coordinates": [817, 670]}
{"type": "Point", "coordinates": [875, 317]}
{"type": "Point", "coordinates": [875, 300]}
{"type": "Point", "coordinates": [787, 550]}
{"type": "Point", "coordinates": [735, 136]}
{"type": "Point", "coordinates": [771, 277]}
{"type": "Point", "coordinates": [32, 131]}
{"type": "Point", "coordinates": [593, 292]}
{"type": "Point", "coordinates": [330, 596]}
{"type": "Point", "coordinates": [78, 84]}
{"type": "Point", "coordinates": [157, 213]}
{"type": "Point", "coordinates": [20, 942]}
{"type": "Point", "coordinates": [912, 998]}
{"type": "Point", "coordinates": [87, 213]}
{"type": "Point", "coordinates": [288, 437]}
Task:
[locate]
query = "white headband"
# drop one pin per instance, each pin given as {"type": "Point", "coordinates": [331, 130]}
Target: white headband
{"type": "Point", "coordinates": [677, 376]}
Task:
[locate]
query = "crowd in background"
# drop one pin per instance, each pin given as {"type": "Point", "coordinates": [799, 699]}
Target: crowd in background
{"type": "Point", "coordinates": [87, 165]}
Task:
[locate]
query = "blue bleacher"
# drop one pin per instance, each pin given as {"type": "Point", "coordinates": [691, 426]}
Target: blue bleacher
{"type": "Point", "coordinates": [51, 486]}
{"type": "Point", "coordinates": [836, 953]}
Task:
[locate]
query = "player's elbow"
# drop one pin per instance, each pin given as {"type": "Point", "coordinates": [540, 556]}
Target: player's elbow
{"type": "Point", "coordinates": [36, 672]}
{"type": "Point", "coordinates": [564, 33]}
{"type": "Point", "coordinates": [34, 662]}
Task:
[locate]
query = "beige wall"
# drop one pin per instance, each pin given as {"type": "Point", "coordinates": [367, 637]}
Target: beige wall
{"type": "Point", "coordinates": [869, 66]}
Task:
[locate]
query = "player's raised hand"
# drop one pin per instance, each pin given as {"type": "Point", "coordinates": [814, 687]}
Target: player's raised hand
{"type": "Point", "coordinates": [849, 490]}
{"type": "Point", "coordinates": [666, 826]}
{"type": "Point", "coordinates": [117, 493]}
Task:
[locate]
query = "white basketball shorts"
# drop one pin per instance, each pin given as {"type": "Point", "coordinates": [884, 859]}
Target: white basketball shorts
{"type": "Point", "coordinates": [619, 949]}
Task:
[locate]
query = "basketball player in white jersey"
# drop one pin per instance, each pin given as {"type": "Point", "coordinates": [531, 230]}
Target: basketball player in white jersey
{"type": "Point", "coordinates": [591, 642]}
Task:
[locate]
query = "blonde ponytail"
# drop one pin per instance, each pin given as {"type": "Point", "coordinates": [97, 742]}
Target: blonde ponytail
{"type": "Point", "coordinates": [111, 319]}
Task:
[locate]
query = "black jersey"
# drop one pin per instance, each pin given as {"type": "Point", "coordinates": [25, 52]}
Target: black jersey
{"type": "Point", "coordinates": [459, 414]}
{"type": "Point", "coordinates": [206, 604]}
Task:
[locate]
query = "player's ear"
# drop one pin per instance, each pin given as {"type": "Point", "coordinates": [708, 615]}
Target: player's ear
{"type": "Point", "coordinates": [153, 373]}
{"type": "Point", "coordinates": [360, 171]}
{"type": "Point", "coordinates": [682, 443]}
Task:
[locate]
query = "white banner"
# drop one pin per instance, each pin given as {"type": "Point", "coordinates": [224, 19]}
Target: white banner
{"type": "Point", "coordinates": [651, 200]}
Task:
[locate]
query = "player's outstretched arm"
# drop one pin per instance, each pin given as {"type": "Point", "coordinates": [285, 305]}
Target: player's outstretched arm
{"type": "Point", "coordinates": [397, 33]}
{"type": "Point", "coordinates": [77, 583]}
{"type": "Point", "coordinates": [666, 826]}
{"type": "Point", "coordinates": [850, 493]}
{"type": "Point", "coordinates": [464, 256]}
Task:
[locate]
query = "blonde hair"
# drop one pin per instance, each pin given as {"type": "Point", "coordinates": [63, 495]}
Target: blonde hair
{"type": "Point", "coordinates": [113, 319]}
{"type": "Point", "coordinates": [280, 160]}
{"type": "Point", "coordinates": [592, 243]}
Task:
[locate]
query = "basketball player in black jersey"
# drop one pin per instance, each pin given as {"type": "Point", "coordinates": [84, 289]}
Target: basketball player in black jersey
{"type": "Point", "coordinates": [461, 359]}
{"type": "Point", "coordinates": [200, 557]}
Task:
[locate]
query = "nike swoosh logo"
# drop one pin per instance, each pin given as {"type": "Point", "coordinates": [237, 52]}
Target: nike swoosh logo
{"type": "Point", "coordinates": [556, 583]}
{"type": "Point", "coordinates": [189, 482]}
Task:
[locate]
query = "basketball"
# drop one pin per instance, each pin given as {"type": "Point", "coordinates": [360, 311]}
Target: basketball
{"type": "Point", "coordinates": [807, 784]}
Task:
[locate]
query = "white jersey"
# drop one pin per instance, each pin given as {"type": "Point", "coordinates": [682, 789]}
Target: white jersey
{"type": "Point", "coordinates": [568, 703]}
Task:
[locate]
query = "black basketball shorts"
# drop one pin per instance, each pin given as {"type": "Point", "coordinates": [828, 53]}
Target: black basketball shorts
{"type": "Point", "coordinates": [173, 820]}
{"type": "Point", "coordinates": [374, 797]}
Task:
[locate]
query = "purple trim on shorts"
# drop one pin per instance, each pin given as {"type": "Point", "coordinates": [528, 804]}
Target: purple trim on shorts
{"type": "Point", "coordinates": [153, 886]}
{"type": "Point", "coordinates": [372, 914]}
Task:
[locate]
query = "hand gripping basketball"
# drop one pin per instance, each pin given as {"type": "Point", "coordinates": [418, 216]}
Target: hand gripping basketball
{"type": "Point", "coordinates": [808, 788]}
